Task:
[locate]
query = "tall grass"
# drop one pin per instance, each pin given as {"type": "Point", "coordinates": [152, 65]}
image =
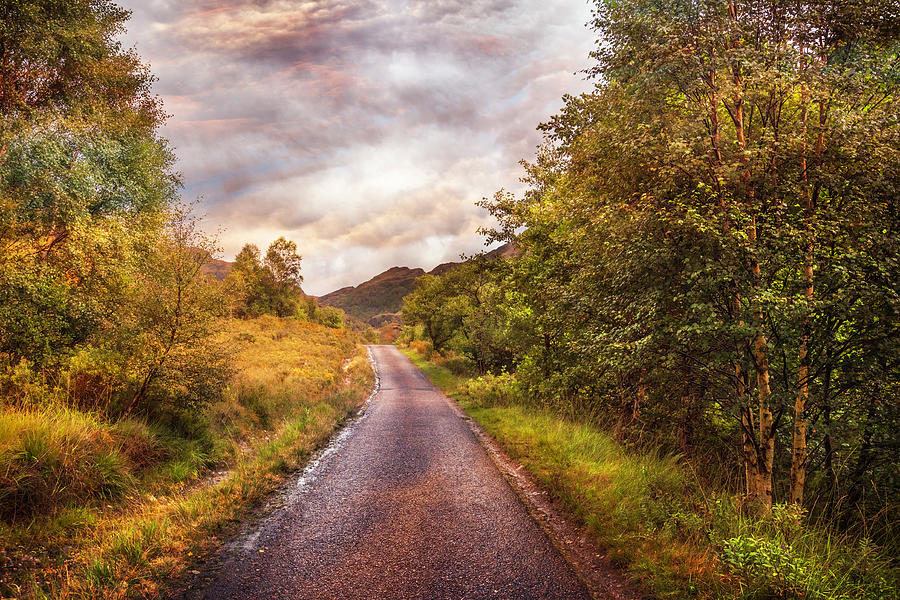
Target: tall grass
{"type": "Point", "coordinates": [680, 538]}
{"type": "Point", "coordinates": [100, 508]}
{"type": "Point", "coordinates": [53, 456]}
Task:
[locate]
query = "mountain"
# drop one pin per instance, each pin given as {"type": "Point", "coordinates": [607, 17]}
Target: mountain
{"type": "Point", "coordinates": [378, 300]}
{"type": "Point", "coordinates": [381, 294]}
{"type": "Point", "coordinates": [217, 268]}
{"type": "Point", "coordinates": [507, 250]}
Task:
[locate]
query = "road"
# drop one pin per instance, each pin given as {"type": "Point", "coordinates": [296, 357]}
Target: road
{"type": "Point", "coordinates": [407, 505]}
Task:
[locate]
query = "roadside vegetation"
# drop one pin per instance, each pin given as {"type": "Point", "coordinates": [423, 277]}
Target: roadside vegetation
{"type": "Point", "coordinates": [101, 507]}
{"type": "Point", "coordinates": [144, 404]}
{"type": "Point", "coordinates": [708, 272]}
{"type": "Point", "coordinates": [677, 535]}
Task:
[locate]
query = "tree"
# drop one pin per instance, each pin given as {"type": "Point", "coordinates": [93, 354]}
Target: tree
{"type": "Point", "coordinates": [271, 286]}
{"type": "Point", "coordinates": [97, 278]}
{"type": "Point", "coordinates": [284, 263]}
{"type": "Point", "coordinates": [171, 318]}
{"type": "Point", "coordinates": [83, 174]}
{"type": "Point", "coordinates": [711, 232]}
{"type": "Point", "coordinates": [431, 306]}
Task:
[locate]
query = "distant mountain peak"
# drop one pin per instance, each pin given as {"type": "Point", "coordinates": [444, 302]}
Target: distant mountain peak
{"type": "Point", "coordinates": [383, 294]}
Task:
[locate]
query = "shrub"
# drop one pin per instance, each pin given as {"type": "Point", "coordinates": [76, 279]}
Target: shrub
{"type": "Point", "coordinates": [330, 317]}
{"type": "Point", "coordinates": [492, 390]}
{"type": "Point", "coordinates": [459, 365]}
{"type": "Point", "coordinates": [422, 348]}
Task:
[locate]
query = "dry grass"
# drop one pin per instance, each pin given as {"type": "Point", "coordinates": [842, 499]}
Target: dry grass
{"type": "Point", "coordinates": [57, 456]}
{"type": "Point", "coordinates": [114, 509]}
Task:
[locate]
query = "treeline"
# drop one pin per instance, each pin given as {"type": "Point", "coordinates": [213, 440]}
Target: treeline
{"type": "Point", "coordinates": [104, 302]}
{"type": "Point", "coordinates": [710, 257]}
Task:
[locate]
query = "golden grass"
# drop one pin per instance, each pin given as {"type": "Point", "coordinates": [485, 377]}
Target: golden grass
{"type": "Point", "coordinates": [54, 456]}
{"type": "Point", "coordinates": [294, 383]}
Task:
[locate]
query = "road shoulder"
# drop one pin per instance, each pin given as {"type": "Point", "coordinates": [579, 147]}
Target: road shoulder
{"type": "Point", "coordinates": [589, 562]}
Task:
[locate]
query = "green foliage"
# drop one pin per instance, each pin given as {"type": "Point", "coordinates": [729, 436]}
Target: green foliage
{"type": "Point", "coordinates": [330, 317]}
{"type": "Point", "coordinates": [709, 263]}
{"type": "Point", "coordinates": [681, 537]}
{"type": "Point", "coordinates": [770, 567]}
{"type": "Point", "coordinates": [61, 56]}
{"type": "Point", "coordinates": [780, 556]}
{"type": "Point", "coordinates": [718, 212]}
{"type": "Point", "coordinates": [469, 311]}
{"type": "Point", "coordinates": [101, 293]}
{"type": "Point", "coordinates": [83, 175]}
{"type": "Point", "coordinates": [283, 262]}
{"type": "Point", "coordinates": [272, 286]}
{"type": "Point", "coordinates": [165, 332]}
{"type": "Point", "coordinates": [439, 313]}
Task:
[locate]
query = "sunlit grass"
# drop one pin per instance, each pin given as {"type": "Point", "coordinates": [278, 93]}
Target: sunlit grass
{"type": "Point", "coordinates": [114, 508]}
{"type": "Point", "coordinates": [54, 455]}
{"type": "Point", "coordinates": [651, 514]}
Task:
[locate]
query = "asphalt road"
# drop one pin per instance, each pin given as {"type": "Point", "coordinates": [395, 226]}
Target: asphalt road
{"type": "Point", "coordinates": [407, 505]}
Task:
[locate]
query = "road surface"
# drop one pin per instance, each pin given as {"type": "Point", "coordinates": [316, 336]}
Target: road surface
{"type": "Point", "coordinates": [407, 505]}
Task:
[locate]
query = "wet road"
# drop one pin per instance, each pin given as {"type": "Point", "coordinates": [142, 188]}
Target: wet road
{"type": "Point", "coordinates": [408, 505]}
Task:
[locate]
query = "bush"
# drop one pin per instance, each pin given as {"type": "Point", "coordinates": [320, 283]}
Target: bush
{"type": "Point", "coordinates": [422, 348]}
{"type": "Point", "coordinates": [330, 317]}
{"type": "Point", "coordinates": [779, 555]}
{"type": "Point", "coordinates": [459, 365]}
{"type": "Point", "coordinates": [492, 390]}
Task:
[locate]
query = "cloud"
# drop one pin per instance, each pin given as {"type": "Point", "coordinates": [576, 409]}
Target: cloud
{"type": "Point", "coordinates": [365, 130]}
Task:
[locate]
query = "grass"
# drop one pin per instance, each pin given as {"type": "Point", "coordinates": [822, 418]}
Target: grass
{"type": "Point", "coordinates": [650, 513]}
{"type": "Point", "coordinates": [53, 456]}
{"type": "Point", "coordinates": [101, 509]}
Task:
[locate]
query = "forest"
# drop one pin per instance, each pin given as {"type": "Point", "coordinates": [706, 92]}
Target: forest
{"type": "Point", "coordinates": [709, 264]}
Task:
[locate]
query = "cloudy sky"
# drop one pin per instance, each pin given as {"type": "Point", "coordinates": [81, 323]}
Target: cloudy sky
{"type": "Point", "coordinates": [363, 130]}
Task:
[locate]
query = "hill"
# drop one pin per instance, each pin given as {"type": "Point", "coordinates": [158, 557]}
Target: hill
{"type": "Point", "coordinates": [378, 300]}
{"type": "Point", "coordinates": [218, 268]}
{"type": "Point", "coordinates": [381, 294]}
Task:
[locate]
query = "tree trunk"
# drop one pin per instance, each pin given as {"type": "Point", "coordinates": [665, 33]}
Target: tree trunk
{"type": "Point", "coordinates": [830, 475]}
{"type": "Point", "coordinates": [799, 455]}
{"type": "Point", "coordinates": [766, 421]}
{"type": "Point", "coordinates": [141, 392]}
{"type": "Point", "coordinates": [750, 452]}
{"type": "Point", "coordinates": [760, 348]}
{"type": "Point", "coordinates": [759, 453]}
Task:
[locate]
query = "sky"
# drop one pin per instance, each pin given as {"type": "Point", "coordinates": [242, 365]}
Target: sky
{"type": "Point", "coordinates": [366, 130]}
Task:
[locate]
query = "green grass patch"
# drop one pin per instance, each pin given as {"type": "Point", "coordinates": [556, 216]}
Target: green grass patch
{"type": "Point", "coordinates": [446, 380]}
{"type": "Point", "coordinates": [678, 538]}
